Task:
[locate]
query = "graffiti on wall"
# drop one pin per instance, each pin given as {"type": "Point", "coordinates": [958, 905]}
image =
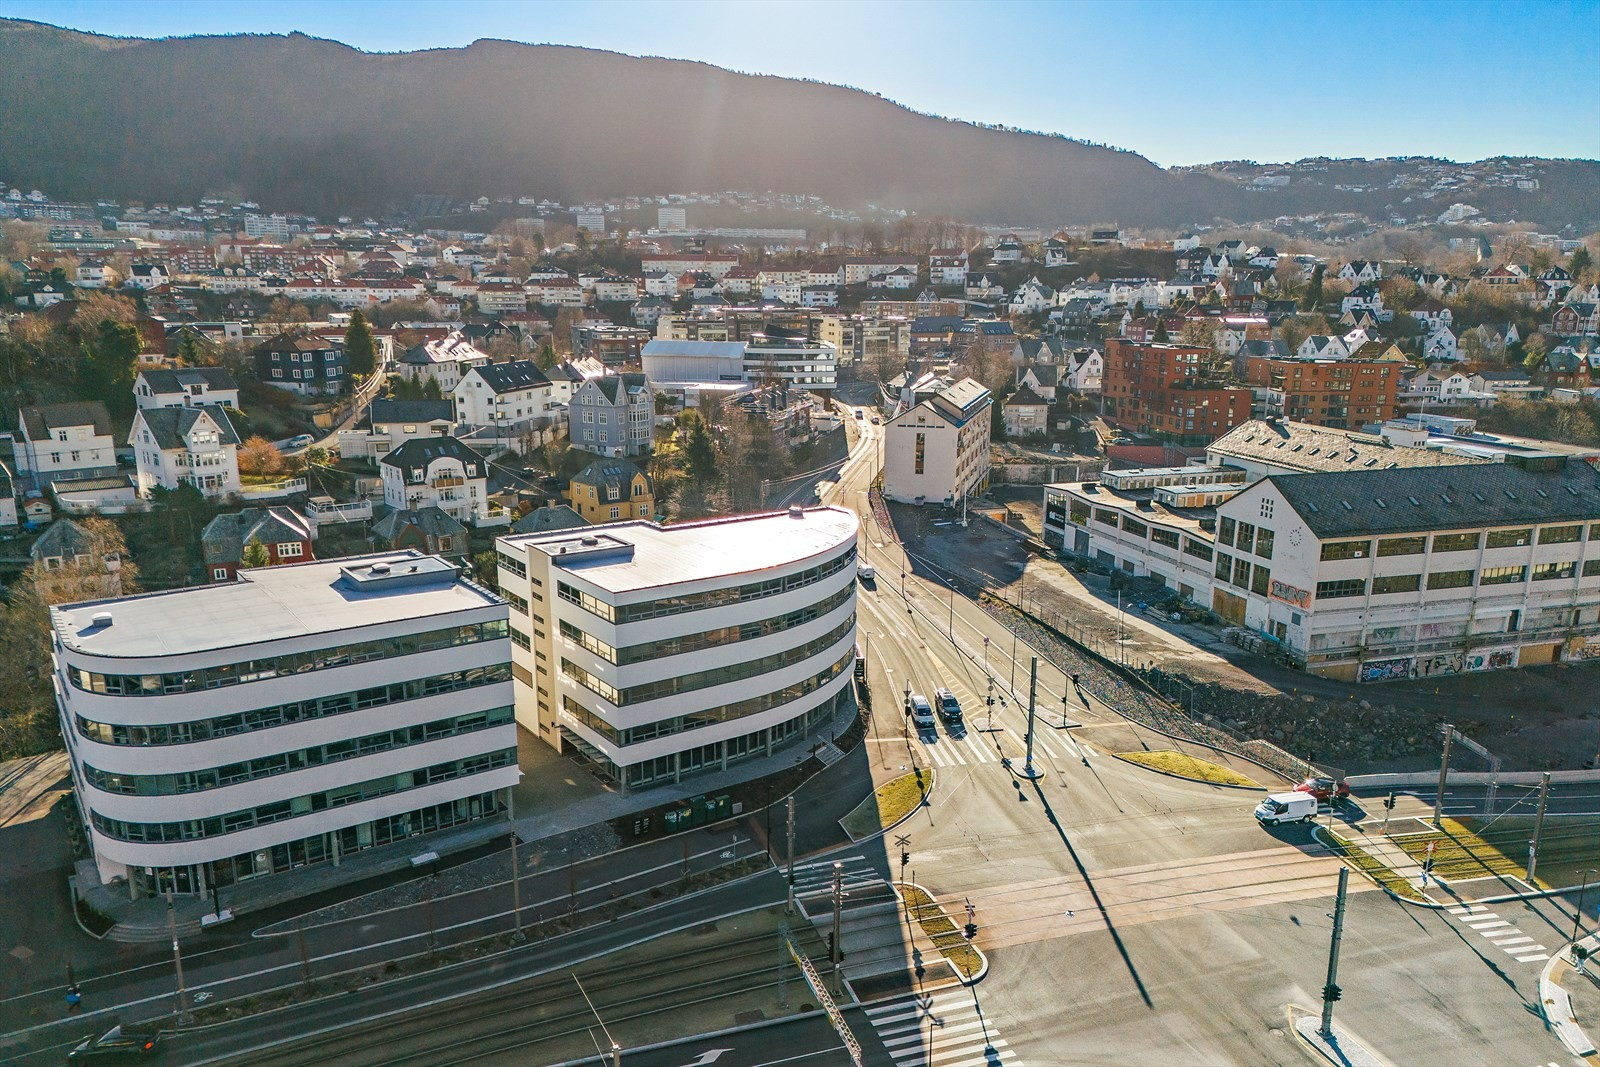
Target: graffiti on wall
{"type": "Point", "coordinates": [1386, 670]}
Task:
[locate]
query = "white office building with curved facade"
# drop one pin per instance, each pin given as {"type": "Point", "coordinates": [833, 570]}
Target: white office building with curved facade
{"type": "Point", "coordinates": [657, 652]}
{"type": "Point", "coordinates": [299, 714]}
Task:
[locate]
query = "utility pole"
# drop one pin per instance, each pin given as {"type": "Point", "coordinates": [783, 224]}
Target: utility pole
{"type": "Point", "coordinates": [791, 855]}
{"type": "Point", "coordinates": [1444, 772]}
{"type": "Point", "coordinates": [1331, 991]}
{"type": "Point", "coordinates": [1029, 771]}
{"type": "Point", "coordinates": [516, 872]}
{"type": "Point", "coordinates": [184, 1016]}
{"type": "Point", "coordinates": [1538, 824]}
{"type": "Point", "coordinates": [1013, 685]}
{"type": "Point", "coordinates": [838, 905]}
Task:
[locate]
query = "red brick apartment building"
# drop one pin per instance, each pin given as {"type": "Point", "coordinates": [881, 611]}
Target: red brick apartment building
{"type": "Point", "coordinates": [1176, 392]}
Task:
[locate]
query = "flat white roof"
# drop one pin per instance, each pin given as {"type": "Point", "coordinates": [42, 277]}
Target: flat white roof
{"type": "Point", "coordinates": [630, 556]}
{"type": "Point", "coordinates": [271, 604]}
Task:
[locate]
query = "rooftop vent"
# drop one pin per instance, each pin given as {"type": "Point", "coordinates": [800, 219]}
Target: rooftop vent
{"type": "Point", "coordinates": [379, 568]}
{"type": "Point", "coordinates": [100, 618]}
{"type": "Point", "coordinates": [797, 512]}
{"type": "Point", "coordinates": [590, 542]}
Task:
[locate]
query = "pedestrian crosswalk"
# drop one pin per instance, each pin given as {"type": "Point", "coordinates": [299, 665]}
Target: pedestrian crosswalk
{"type": "Point", "coordinates": [977, 747]}
{"type": "Point", "coordinates": [816, 877]}
{"type": "Point", "coordinates": [946, 1029]}
{"type": "Point", "coordinates": [1502, 934]}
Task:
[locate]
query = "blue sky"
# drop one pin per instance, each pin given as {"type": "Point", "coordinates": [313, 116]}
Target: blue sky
{"type": "Point", "coordinates": [1178, 82]}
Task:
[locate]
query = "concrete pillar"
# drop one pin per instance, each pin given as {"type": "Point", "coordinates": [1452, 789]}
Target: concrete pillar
{"type": "Point", "coordinates": [769, 741]}
{"type": "Point", "coordinates": [677, 767]}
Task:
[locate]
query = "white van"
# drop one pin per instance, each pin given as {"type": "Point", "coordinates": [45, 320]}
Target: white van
{"type": "Point", "coordinates": [1286, 807]}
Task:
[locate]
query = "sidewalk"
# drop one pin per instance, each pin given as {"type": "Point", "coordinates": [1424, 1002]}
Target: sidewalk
{"type": "Point", "coordinates": [584, 821]}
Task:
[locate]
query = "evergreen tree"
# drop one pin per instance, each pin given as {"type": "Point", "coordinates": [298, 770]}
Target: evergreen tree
{"type": "Point", "coordinates": [359, 348]}
{"type": "Point", "coordinates": [547, 357]}
{"type": "Point", "coordinates": [700, 452]}
{"type": "Point", "coordinates": [108, 369]}
{"type": "Point", "coordinates": [1579, 264]}
{"type": "Point", "coordinates": [431, 390]}
{"type": "Point", "coordinates": [188, 349]}
{"type": "Point", "coordinates": [255, 554]}
{"type": "Point", "coordinates": [1161, 332]}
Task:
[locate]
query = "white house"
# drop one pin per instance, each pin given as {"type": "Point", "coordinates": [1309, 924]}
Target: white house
{"type": "Point", "coordinates": [175, 446]}
{"type": "Point", "coordinates": [937, 451]}
{"type": "Point", "coordinates": [441, 472]}
{"type": "Point", "coordinates": [93, 274]}
{"type": "Point", "coordinates": [65, 441]}
{"type": "Point", "coordinates": [146, 276]}
{"type": "Point", "coordinates": [1032, 297]}
{"type": "Point", "coordinates": [1323, 346]}
{"type": "Point", "coordinates": [186, 387]}
{"type": "Point", "coordinates": [1440, 345]}
{"type": "Point", "coordinates": [948, 266]}
{"type": "Point", "coordinates": [1361, 272]}
{"type": "Point", "coordinates": [443, 360]}
{"type": "Point", "coordinates": [391, 423]}
{"type": "Point", "coordinates": [502, 396]}
{"type": "Point", "coordinates": [1084, 370]}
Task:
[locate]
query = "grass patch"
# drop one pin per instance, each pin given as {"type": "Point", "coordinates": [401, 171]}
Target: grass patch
{"type": "Point", "coordinates": [1373, 868]}
{"type": "Point", "coordinates": [1193, 768]}
{"type": "Point", "coordinates": [888, 804]}
{"type": "Point", "coordinates": [1567, 847]}
{"type": "Point", "coordinates": [1459, 852]}
{"type": "Point", "coordinates": [946, 935]}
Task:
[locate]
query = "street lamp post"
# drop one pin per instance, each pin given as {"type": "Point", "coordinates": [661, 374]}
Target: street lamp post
{"type": "Point", "coordinates": [1577, 912]}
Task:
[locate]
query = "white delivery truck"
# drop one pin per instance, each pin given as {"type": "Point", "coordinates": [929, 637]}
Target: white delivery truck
{"type": "Point", "coordinates": [1286, 807]}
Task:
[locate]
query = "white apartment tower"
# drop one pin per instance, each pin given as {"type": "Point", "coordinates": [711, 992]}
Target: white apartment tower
{"type": "Point", "coordinates": [658, 651]}
{"type": "Point", "coordinates": [232, 731]}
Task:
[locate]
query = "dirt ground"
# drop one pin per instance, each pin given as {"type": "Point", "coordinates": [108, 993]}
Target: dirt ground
{"type": "Point", "coordinates": [1542, 718]}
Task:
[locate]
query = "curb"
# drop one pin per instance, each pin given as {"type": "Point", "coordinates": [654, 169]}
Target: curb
{"type": "Point", "coordinates": [1552, 995]}
{"type": "Point", "coordinates": [983, 969]}
{"type": "Point", "coordinates": [1185, 777]}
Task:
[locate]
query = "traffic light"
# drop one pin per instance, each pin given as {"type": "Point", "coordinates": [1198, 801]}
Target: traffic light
{"type": "Point", "coordinates": [1389, 801]}
{"type": "Point", "coordinates": [970, 931]}
{"type": "Point", "coordinates": [1331, 992]}
{"type": "Point", "coordinates": [905, 857]}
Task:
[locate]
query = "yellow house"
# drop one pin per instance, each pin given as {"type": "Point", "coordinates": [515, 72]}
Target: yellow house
{"type": "Point", "coordinates": [611, 490]}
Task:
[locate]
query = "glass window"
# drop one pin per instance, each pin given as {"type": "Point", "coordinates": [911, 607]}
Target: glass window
{"type": "Point", "coordinates": [1197, 549]}
{"type": "Point", "coordinates": [1402, 546]}
{"type": "Point", "coordinates": [1460, 542]}
{"type": "Point", "coordinates": [1164, 537]}
{"type": "Point", "coordinates": [1224, 567]}
{"type": "Point", "coordinates": [1225, 529]}
{"type": "Point", "coordinates": [1344, 587]}
{"type": "Point", "coordinates": [1560, 535]}
{"type": "Point", "coordinates": [1335, 550]}
{"type": "Point", "coordinates": [1450, 579]}
{"type": "Point", "coordinates": [1264, 539]}
{"type": "Point", "coordinates": [1246, 539]}
{"type": "Point", "coordinates": [1131, 525]}
{"type": "Point", "coordinates": [1105, 516]}
{"type": "Point", "coordinates": [1510, 538]}
{"type": "Point", "coordinates": [1544, 572]}
{"type": "Point", "coordinates": [1502, 575]}
{"type": "Point", "coordinates": [1397, 583]}
{"type": "Point", "coordinates": [1261, 580]}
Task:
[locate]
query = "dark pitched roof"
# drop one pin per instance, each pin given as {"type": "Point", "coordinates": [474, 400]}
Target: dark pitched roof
{"type": "Point", "coordinates": [1352, 503]}
{"type": "Point", "coordinates": [170, 425]}
{"type": "Point", "coordinates": [179, 381]}
{"type": "Point", "coordinates": [431, 521]}
{"type": "Point", "coordinates": [63, 539]}
{"type": "Point", "coordinates": [604, 471]}
{"type": "Point", "coordinates": [1025, 397]}
{"type": "Point", "coordinates": [610, 384]}
{"type": "Point", "coordinates": [418, 453]}
{"type": "Point", "coordinates": [41, 420]}
{"type": "Point", "coordinates": [412, 411]}
{"type": "Point", "coordinates": [540, 520]}
{"type": "Point", "coordinates": [224, 538]}
{"type": "Point", "coordinates": [509, 377]}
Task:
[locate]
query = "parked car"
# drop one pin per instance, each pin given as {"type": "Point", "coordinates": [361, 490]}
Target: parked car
{"type": "Point", "coordinates": [876, 421]}
{"type": "Point", "coordinates": [866, 572]}
{"type": "Point", "coordinates": [949, 707]}
{"type": "Point", "coordinates": [121, 1044]}
{"type": "Point", "coordinates": [1282, 808]}
{"type": "Point", "coordinates": [1325, 788]}
{"type": "Point", "coordinates": [298, 442]}
{"type": "Point", "coordinates": [921, 712]}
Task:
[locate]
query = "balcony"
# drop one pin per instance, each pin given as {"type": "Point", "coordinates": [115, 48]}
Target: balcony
{"type": "Point", "coordinates": [448, 482]}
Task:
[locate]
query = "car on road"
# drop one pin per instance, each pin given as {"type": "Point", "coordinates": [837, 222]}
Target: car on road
{"type": "Point", "coordinates": [1325, 788]}
{"type": "Point", "coordinates": [860, 414]}
{"type": "Point", "coordinates": [921, 712]}
{"type": "Point", "coordinates": [867, 573]}
{"type": "Point", "coordinates": [949, 707]}
{"type": "Point", "coordinates": [123, 1043]}
{"type": "Point", "coordinates": [1281, 808]}
{"type": "Point", "coordinates": [298, 442]}
{"type": "Point", "coordinates": [876, 421]}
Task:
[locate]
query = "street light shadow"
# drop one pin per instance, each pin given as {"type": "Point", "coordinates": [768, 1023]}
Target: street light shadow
{"type": "Point", "coordinates": [1088, 883]}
